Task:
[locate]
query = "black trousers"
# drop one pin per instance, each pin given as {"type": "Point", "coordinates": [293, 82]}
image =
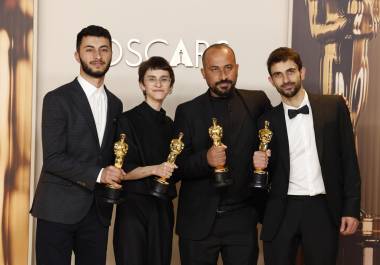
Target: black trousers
{"type": "Point", "coordinates": [143, 231]}
{"type": "Point", "coordinates": [88, 239]}
{"type": "Point", "coordinates": [307, 223]}
{"type": "Point", "coordinates": [234, 236]}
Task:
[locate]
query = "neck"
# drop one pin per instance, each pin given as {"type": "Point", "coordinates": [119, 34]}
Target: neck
{"type": "Point", "coordinates": [95, 81]}
{"type": "Point", "coordinates": [296, 100]}
{"type": "Point", "coordinates": [154, 104]}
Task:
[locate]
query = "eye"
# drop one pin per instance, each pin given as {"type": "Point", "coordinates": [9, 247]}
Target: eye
{"type": "Point", "coordinates": [276, 75]}
{"type": "Point", "coordinates": [228, 67]}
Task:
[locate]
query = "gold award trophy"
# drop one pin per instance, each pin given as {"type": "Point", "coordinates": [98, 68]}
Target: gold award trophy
{"type": "Point", "coordinates": [120, 148]}
{"type": "Point", "coordinates": [160, 185]}
{"type": "Point", "coordinates": [260, 176]}
{"type": "Point", "coordinates": [222, 177]}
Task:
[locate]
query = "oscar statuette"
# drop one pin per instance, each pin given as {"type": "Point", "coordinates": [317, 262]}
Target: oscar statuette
{"type": "Point", "coordinates": [120, 148]}
{"type": "Point", "coordinates": [160, 185]}
{"type": "Point", "coordinates": [221, 175]}
{"type": "Point", "coordinates": [260, 176]}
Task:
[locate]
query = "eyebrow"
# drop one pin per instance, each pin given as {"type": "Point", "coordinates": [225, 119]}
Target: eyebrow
{"type": "Point", "coordinates": [289, 69]}
{"type": "Point", "coordinates": [92, 46]}
{"type": "Point", "coordinates": [158, 76]}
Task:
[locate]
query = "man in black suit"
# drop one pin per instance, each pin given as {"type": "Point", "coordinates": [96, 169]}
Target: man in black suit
{"type": "Point", "coordinates": [214, 220]}
{"type": "Point", "coordinates": [78, 124]}
{"type": "Point", "coordinates": [315, 181]}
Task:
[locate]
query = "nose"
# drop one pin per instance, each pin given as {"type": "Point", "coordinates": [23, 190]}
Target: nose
{"type": "Point", "coordinates": [97, 54]}
{"type": "Point", "coordinates": [224, 74]}
{"type": "Point", "coordinates": [158, 83]}
{"type": "Point", "coordinates": [285, 78]}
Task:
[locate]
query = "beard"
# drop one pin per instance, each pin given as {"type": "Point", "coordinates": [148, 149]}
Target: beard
{"type": "Point", "coordinates": [223, 92]}
{"type": "Point", "coordinates": [96, 74]}
{"type": "Point", "coordinates": [290, 93]}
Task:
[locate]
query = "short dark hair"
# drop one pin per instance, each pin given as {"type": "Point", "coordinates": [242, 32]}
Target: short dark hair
{"type": "Point", "coordinates": [93, 30]}
{"type": "Point", "coordinates": [216, 46]}
{"type": "Point", "coordinates": [156, 63]}
{"type": "Point", "coordinates": [283, 54]}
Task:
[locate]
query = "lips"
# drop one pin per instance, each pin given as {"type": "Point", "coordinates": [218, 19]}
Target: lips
{"type": "Point", "coordinates": [97, 63]}
{"type": "Point", "coordinates": [288, 86]}
{"type": "Point", "coordinates": [224, 84]}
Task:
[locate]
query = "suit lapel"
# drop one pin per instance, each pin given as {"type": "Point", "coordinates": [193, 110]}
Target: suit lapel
{"type": "Point", "coordinates": [318, 118]}
{"type": "Point", "coordinates": [237, 115]}
{"type": "Point", "coordinates": [280, 130]}
{"type": "Point", "coordinates": [206, 112]}
{"type": "Point", "coordinates": [79, 98]}
{"type": "Point", "coordinates": [110, 120]}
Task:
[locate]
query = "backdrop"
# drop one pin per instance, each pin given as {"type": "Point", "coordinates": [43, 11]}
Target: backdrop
{"type": "Point", "coordinates": [176, 29]}
{"type": "Point", "coordinates": [16, 98]}
{"type": "Point", "coordinates": [343, 35]}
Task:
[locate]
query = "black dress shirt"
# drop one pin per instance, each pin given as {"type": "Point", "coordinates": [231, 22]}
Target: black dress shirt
{"type": "Point", "coordinates": [149, 133]}
{"type": "Point", "coordinates": [220, 107]}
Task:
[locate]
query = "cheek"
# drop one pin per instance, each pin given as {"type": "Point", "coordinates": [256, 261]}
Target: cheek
{"type": "Point", "coordinates": [234, 75]}
{"type": "Point", "coordinates": [277, 83]}
{"type": "Point", "coordinates": [108, 57]}
{"type": "Point", "coordinates": [86, 58]}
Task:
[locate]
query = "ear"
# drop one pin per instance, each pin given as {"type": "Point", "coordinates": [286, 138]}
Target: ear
{"type": "Point", "coordinates": [203, 73]}
{"type": "Point", "coordinates": [270, 80]}
{"type": "Point", "coordinates": [303, 73]}
{"type": "Point", "coordinates": [76, 55]}
{"type": "Point", "coordinates": [142, 87]}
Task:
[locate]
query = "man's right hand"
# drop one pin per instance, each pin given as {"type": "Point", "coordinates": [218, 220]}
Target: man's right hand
{"type": "Point", "coordinates": [112, 176]}
{"type": "Point", "coordinates": [260, 159]}
{"type": "Point", "coordinates": [216, 155]}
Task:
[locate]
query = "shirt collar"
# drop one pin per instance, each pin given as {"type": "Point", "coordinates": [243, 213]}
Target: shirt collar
{"type": "Point", "coordinates": [305, 101]}
{"type": "Point", "coordinates": [88, 88]}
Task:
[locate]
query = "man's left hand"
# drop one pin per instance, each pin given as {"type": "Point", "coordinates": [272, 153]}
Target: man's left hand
{"type": "Point", "coordinates": [348, 225]}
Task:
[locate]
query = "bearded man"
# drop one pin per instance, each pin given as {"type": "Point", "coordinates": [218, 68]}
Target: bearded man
{"type": "Point", "coordinates": [78, 126]}
{"type": "Point", "coordinates": [219, 217]}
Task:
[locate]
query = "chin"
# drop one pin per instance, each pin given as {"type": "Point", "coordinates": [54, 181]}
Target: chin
{"type": "Point", "coordinates": [158, 98]}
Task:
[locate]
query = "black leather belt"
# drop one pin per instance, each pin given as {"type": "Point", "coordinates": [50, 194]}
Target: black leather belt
{"type": "Point", "coordinates": [222, 209]}
{"type": "Point", "coordinates": [306, 197]}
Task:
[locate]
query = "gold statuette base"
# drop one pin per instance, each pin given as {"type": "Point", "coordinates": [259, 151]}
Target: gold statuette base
{"type": "Point", "coordinates": [260, 179]}
{"type": "Point", "coordinates": [222, 177]}
{"type": "Point", "coordinates": [160, 188]}
{"type": "Point", "coordinates": [111, 194]}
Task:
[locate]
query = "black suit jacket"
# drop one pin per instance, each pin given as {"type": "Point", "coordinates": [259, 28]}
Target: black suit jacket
{"type": "Point", "coordinates": [198, 198]}
{"type": "Point", "coordinates": [337, 157]}
{"type": "Point", "coordinates": [72, 156]}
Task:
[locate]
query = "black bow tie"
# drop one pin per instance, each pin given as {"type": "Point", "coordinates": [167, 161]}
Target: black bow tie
{"type": "Point", "coordinates": [294, 112]}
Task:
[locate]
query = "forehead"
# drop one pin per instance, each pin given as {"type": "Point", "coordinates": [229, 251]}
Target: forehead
{"type": "Point", "coordinates": [156, 72]}
{"type": "Point", "coordinates": [283, 66]}
{"type": "Point", "coordinates": [219, 56]}
{"type": "Point", "coordinates": [95, 41]}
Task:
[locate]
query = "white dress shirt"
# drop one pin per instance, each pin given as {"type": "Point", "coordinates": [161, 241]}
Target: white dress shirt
{"type": "Point", "coordinates": [305, 176]}
{"type": "Point", "coordinates": [97, 98]}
